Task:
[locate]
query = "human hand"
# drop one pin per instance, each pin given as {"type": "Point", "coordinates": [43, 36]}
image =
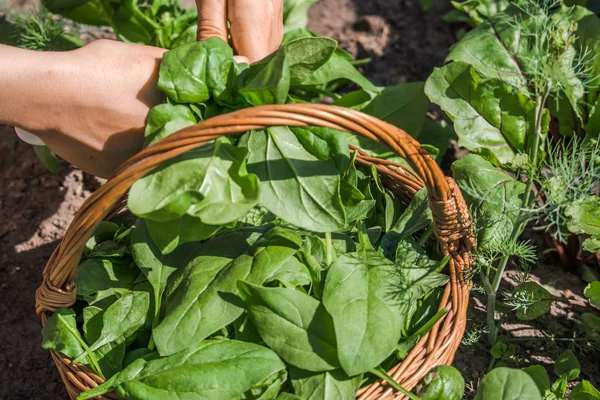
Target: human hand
{"type": "Point", "coordinates": [256, 26]}
{"type": "Point", "coordinates": [89, 106]}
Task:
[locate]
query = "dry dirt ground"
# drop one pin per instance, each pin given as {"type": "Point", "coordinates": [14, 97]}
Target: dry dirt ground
{"type": "Point", "coordinates": [404, 43]}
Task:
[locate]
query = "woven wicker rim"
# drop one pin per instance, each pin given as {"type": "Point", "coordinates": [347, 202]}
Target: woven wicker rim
{"type": "Point", "coordinates": [452, 225]}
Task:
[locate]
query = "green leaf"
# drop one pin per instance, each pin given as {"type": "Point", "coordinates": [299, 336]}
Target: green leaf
{"type": "Point", "coordinates": [559, 387]}
{"type": "Point", "coordinates": [404, 106]}
{"type": "Point", "coordinates": [155, 266]}
{"type": "Point", "coordinates": [490, 117]}
{"type": "Point", "coordinates": [584, 216]}
{"type": "Point", "coordinates": [98, 279]}
{"type": "Point", "coordinates": [417, 272]}
{"type": "Point", "coordinates": [60, 334]}
{"type": "Point", "coordinates": [368, 318]}
{"type": "Point", "coordinates": [338, 68]}
{"type": "Point", "coordinates": [292, 324]}
{"type": "Point", "coordinates": [330, 385]}
{"type": "Point", "coordinates": [167, 235]}
{"type": "Point", "coordinates": [213, 369]}
{"type": "Point", "coordinates": [584, 391]}
{"type": "Point", "coordinates": [123, 318]}
{"type": "Point", "coordinates": [194, 72]}
{"type": "Point", "coordinates": [507, 384]}
{"type": "Point", "coordinates": [567, 365]}
{"type": "Point", "coordinates": [493, 196]}
{"type": "Point", "coordinates": [105, 231]}
{"type": "Point", "coordinates": [480, 10]}
{"type": "Point", "coordinates": [292, 274]}
{"type": "Point", "coordinates": [592, 292]}
{"type": "Point", "coordinates": [496, 48]}
{"type": "Point", "coordinates": [295, 184]}
{"type": "Point", "coordinates": [266, 81]}
{"type": "Point", "coordinates": [295, 14]}
{"type": "Point", "coordinates": [306, 55]}
{"type": "Point", "coordinates": [539, 300]}
{"type": "Point", "coordinates": [88, 12]}
{"type": "Point", "coordinates": [110, 356]}
{"type": "Point", "coordinates": [203, 297]}
{"type": "Point", "coordinates": [131, 25]}
{"type": "Point", "coordinates": [416, 217]}
{"type": "Point", "coordinates": [166, 119]}
{"type": "Point", "coordinates": [540, 376]}
{"type": "Point", "coordinates": [133, 355]}
{"type": "Point", "coordinates": [591, 323]}
{"type": "Point", "coordinates": [591, 244]}
{"type": "Point", "coordinates": [48, 158]}
{"type": "Point", "coordinates": [443, 382]}
{"type": "Point", "coordinates": [196, 184]}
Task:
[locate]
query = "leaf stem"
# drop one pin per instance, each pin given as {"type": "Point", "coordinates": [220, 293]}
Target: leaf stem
{"type": "Point", "coordinates": [380, 373]}
{"type": "Point", "coordinates": [77, 336]}
{"type": "Point", "coordinates": [329, 248]}
{"type": "Point", "coordinates": [425, 236]}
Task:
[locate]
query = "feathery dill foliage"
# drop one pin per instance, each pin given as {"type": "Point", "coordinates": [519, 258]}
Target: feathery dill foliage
{"type": "Point", "coordinates": [551, 63]}
{"type": "Point", "coordinates": [571, 175]}
{"type": "Point", "coordinates": [38, 30]}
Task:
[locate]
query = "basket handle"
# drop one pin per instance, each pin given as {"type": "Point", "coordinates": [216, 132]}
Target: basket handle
{"type": "Point", "coordinates": [451, 220]}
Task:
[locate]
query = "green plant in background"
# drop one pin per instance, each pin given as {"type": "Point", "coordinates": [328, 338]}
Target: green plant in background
{"type": "Point", "coordinates": [502, 85]}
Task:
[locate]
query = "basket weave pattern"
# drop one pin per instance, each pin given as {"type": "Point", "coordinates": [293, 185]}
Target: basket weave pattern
{"type": "Point", "coordinates": [452, 225]}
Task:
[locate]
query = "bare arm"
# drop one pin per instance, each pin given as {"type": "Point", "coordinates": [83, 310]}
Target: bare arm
{"type": "Point", "coordinates": [88, 105]}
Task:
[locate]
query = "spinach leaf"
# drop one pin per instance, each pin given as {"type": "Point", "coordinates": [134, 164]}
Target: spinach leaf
{"type": "Point", "coordinates": [292, 274]}
{"type": "Point", "coordinates": [507, 384]}
{"type": "Point", "coordinates": [567, 365]}
{"type": "Point", "coordinates": [416, 217]}
{"type": "Point", "coordinates": [501, 51]}
{"type": "Point", "coordinates": [295, 183]}
{"type": "Point", "coordinates": [491, 118]}
{"type": "Point", "coordinates": [131, 25]}
{"type": "Point", "coordinates": [155, 266]}
{"type": "Point", "coordinates": [330, 385]}
{"type": "Point", "coordinates": [204, 297]}
{"type": "Point", "coordinates": [99, 279]}
{"type": "Point", "coordinates": [416, 271]}
{"type": "Point", "coordinates": [338, 68]}
{"type": "Point", "coordinates": [306, 55]}
{"type": "Point", "coordinates": [166, 119]}
{"type": "Point", "coordinates": [292, 324]}
{"type": "Point", "coordinates": [295, 14]}
{"type": "Point", "coordinates": [266, 81]}
{"type": "Point", "coordinates": [196, 184]}
{"type": "Point", "coordinates": [105, 231]}
{"type": "Point", "coordinates": [213, 369]}
{"type": "Point", "coordinates": [195, 72]}
{"type": "Point", "coordinates": [167, 235]}
{"type": "Point", "coordinates": [443, 382]}
{"type": "Point", "coordinates": [123, 318]}
{"type": "Point", "coordinates": [110, 356]}
{"type": "Point", "coordinates": [60, 334]}
{"type": "Point", "coordinates": [368, 316]}
{"type": "Point", "coordinates": [494, 197]}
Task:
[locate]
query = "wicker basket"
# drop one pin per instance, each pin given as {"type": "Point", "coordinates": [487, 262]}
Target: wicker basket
{"type": "Point", "coordinates": [451, 222]}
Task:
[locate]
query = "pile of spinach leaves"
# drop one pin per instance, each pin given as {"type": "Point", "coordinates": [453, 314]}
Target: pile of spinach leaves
{"type": "Point", "coordinates": [262, 265]}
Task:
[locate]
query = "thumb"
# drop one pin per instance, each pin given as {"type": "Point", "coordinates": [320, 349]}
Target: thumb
{"type": "Point", "coordinates": [212, 19]}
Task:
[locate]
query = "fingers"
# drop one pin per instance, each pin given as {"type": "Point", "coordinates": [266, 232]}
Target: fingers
{"type": "Point", "coordinates": [212, 19]}
{"type": "Point", "coordinates": [256, 27]}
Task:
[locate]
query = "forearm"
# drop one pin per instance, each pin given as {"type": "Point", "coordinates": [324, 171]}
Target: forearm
{"type": "Point", "coordinates": [30, 81]}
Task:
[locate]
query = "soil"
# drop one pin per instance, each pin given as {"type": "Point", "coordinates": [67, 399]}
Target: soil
{"type": "Point", "coordinates": [36, 206]}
